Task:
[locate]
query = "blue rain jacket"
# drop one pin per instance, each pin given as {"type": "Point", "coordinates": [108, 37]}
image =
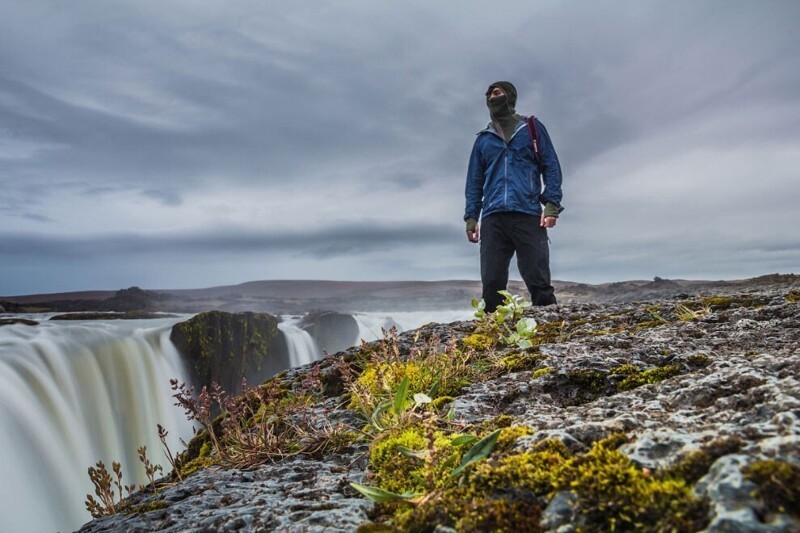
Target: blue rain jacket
{"type": "Point", "coordinates": [505, 177]}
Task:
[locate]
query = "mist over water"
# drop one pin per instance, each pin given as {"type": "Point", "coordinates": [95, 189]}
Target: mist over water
{"type": "Point", "coordinates": [75, 393]}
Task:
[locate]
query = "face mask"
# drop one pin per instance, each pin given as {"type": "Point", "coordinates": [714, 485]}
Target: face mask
{"type": "Point", "coordinates": [498, 106]}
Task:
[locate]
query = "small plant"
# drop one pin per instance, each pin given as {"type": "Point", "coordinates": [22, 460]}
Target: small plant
{"type": "Point", "coordinates": [110, 501]}
{"type": "Point", "coordinates": [507, 323]}
{"type": "Point", "coordinates": [685, 314]}
{"type": "Point", "coordinates": [150, 469]}
{"type": "Point", "coordinates": [200, 409]}
{"type": "Point", "coordinates": [162, 435]}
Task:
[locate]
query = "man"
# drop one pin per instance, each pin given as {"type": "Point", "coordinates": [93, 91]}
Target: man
{"type": "Point", "coordinates": [504, 189]}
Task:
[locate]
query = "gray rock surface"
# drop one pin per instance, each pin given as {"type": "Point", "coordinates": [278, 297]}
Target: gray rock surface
{"type": "Point", "coordinates": [296, 494]}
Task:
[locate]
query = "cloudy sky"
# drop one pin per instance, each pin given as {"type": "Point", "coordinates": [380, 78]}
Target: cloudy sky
{"type": "Point", "coordinates": [196, 143]}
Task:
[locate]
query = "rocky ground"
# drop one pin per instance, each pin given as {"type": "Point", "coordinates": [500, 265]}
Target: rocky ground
{"type": "Point", "coordinates": [699, 395]}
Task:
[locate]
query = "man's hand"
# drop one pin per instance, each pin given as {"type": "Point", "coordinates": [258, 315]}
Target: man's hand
{"type": "Point", "coordinates": [547, 222]}
{"type": "Point", "coordinates": [474, 235]}
{"type": "Point", "coordinates": [473, 231]}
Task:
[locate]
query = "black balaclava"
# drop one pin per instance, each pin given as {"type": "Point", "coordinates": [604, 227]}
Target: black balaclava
{"type": "Point", "coordinates": [501, 109]}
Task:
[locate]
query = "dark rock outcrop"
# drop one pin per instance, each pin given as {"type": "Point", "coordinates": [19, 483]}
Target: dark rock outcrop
{"type": "Point", "coordinates": [226, 347]}
{"type": "Point", "coordinates": [131, 299]}
{"type": "Point", "coordinates": [332, 331]}
{"type": "Point", "coordinates": [10, 321]}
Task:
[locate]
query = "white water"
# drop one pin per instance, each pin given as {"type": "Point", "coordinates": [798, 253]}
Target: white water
{"type": "Point", "coordinates": [302, 348]}
{"type": "Point", "coordinates": [73, 393]}
{"type": "Point", "coordinates": [370, 324]}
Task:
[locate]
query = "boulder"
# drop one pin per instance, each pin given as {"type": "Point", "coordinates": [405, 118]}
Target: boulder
{"type": "Point", "coordinates": [332, 331]}
{"type": "Point", "coordinates": [226, 347]}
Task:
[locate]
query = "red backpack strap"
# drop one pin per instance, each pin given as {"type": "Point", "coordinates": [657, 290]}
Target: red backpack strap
{"type": "Point", "coordinates": [534, 132]}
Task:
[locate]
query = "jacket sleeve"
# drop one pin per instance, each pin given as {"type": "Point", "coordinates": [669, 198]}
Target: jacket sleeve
{"type": "Point", "coordinates": [474, 189]}
{"type": "Point", "coordinates": [551, 169]}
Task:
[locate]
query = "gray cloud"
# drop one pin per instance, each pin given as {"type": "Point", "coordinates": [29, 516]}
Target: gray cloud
{"type": "Point", "coordinates": [115, 108]}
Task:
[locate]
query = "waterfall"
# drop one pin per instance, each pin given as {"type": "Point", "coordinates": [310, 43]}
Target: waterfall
{"type": "Point", "coordinates": [370, 324]}
{"type": "Point", "coordinates": [75, 393]}
{"type": "Point", "coordinates": [302, 348]}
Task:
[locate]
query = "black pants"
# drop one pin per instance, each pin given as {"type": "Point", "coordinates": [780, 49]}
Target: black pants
{"type": "Point", "coordinates": [502, 234]}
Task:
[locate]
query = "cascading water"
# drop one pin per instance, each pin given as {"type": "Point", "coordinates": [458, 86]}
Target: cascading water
{"type": "Point", "coordinates": [302, 348]}
{"type": "Point", "coordinates": [370, 325]}
{"type": "Point", "coordinates": [75, 393]}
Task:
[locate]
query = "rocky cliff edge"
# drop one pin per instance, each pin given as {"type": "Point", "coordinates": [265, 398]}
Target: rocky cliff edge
{"type": "Point", "coordinates": [676, 414]}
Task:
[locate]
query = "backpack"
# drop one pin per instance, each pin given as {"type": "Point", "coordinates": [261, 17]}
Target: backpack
{"type": "Point", "coordinates": [534, 132]}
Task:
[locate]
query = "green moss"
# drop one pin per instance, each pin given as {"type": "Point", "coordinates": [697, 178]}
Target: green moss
{"type": "Point", "coordinates": [648, 324]}
{"type": "Point", "coordinates": [625, 370]}
{"type": "Point", "coordinates": [614, 494]}
{"type": "Point", "coordinates": [718, 303]}
{"type": "Point", "coordinates": [508, 436]}
{"type": "Point", "coordinates": [441, 402]}
{"type": "Point", "coordinates": [507, 493]}
{"type": "Point", "coordinates": [699, 360]}
{"type": "Point", "coordinates": [653, 309]}
{"type": "Point", "coordinates": [778, 485]}
{"type": "Point", "coordinates": [654, 375]}
{"type": "Point", "coordinates": [147, 507]}
{"type": "Point", "coordinates": [203, 460]}
{"type": "Point", "coordinates": [478, 341]}
{"type": "Point", "coordinates": [542, 372]}
{"type": "Point", "coordinates": [516, 362]}
{"type": "Point", "coordinates": [396, 472]}
{"type": "Point", "coordinates": [518, 511]}
{"type": "Point", "coordinates": [587, 380]}
{"type": "Point", "coordinates": [793, 297]}
{"type": "Point", "coordinates": [696, 465]}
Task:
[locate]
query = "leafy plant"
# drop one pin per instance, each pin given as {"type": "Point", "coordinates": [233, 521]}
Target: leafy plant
{"type": "Point", "coordinates": [479, 451]}
{"type": "Point", "coordinates": [507, 323]}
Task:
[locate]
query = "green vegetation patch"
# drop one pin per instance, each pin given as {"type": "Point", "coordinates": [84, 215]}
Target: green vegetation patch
{"type": "Point", "coordinates": [697, 464]}
{"type": "Point", "coordinates": [654, 375]}
{"type": "Point", "coordinates": [778, 486]}
{"type": "Point", "coordinates": [509, 492]}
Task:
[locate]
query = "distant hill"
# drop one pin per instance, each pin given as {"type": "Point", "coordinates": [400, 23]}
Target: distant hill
{"type": "Point", "coordinates": [300, 296]}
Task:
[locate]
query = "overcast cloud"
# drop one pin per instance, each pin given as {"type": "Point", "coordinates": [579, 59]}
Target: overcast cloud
{"type": "Point", "coordinates": [189, 144]}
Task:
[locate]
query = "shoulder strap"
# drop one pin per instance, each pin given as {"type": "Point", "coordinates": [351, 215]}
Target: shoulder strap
{"type": "Point", "coordinates": [534, 132]}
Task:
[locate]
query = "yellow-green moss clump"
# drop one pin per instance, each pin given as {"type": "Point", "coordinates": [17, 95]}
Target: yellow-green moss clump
{"type": "Point", "coordinates": [778, 486]}
{"type": "Point", "coordinates": [147, 507]}
{"type": "Point", "coordinates": [197, 456]}
{"type": "Point", "coordinates": [700, 360]}
{"type": "Point", "coordinates": [508, 493]}
{"type": "Point", "coordinates": [542, 372]}
{"type": "Point", "coordinates": [587, 380]}
{"type": "Point", "coordinates": [719, 303]}
{"type": "Point", "coordinates": [654, 375]}
{"type": "Point", "coordinates": [382, 379]}
{"type": "Point", "coordinates": [478, 341]}
{"type": "Point", "coordinates": [696, 465]}
{"type": "Point", "coordinates": [793, 297]}
{"type": "Point", "coordinates": [516, 362]}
